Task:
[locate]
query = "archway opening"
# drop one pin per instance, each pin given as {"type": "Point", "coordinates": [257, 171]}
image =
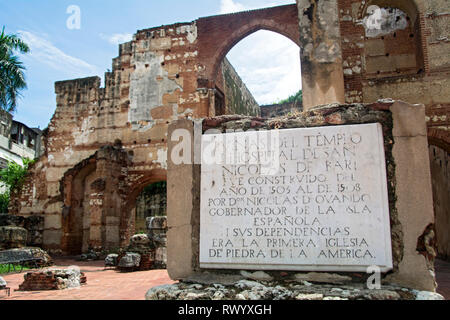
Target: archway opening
{"type": "Point", "coordinates": [128, 214]}
{"type": "Point", "coordinates": [260, 75]}
{"type": "Point", "coordinates": [151, 202]}
{"type": "Point", "coordinates": [148, 216]}
{"type": "Point", "coordinates": [393, 41]}
{"type": "Point", "coordinates": [77, 222]}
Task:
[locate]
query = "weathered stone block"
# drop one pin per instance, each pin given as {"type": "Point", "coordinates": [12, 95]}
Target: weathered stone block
{"type": "Point", "coordinates": [12, 237]}
{"type": "Point", "coordinates": [161, 257]}
{"type": "Point", "coordinates": [111, 260]}
{"type": "Point", "coordinates": [10, 220]}
{"type": "Point", "coordinates": [52, 237]}
{"type": "Point", "coordinates": [53, 279]}
{"type": "Point", "coordinates": [139, 240]}
{"type": "Point", "coordinates": [112, 235]}
{"type": "Point", "coordinates": [52, 222]}
{"type": "Point", "coordinates": [130, 260]}
{"type": "Point", "coordinates": [156, 223]}
{"type": "Point", "coordinates": [3, 283]}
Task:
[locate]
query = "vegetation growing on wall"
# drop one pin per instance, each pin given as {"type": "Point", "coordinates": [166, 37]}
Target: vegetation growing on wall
{"type": "Point", "coordinates": [238, 98]}
{"type": "Point", "coordinates": [155, 188]}
{"type": "Point", "coordinates": [12, 177]}
{"type": "Point", "coordinates": [295, 98]}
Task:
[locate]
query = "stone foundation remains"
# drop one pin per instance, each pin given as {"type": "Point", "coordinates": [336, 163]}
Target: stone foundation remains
{"type": "Point", "coordinates": [53, 279]}
{"type": "Point", "coordinates": [293, 289]}
{"type": "Point", "coordinates": [18, 232]}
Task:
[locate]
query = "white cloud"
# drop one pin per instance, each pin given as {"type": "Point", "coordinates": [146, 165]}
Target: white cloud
{"type": "Point", "coordinates": [230, 6]}
{"type": "Point", "coordinates": [117, 38]}
{"type": "Point", "coordinates": [269, 64]}
{"type": "Point", "coordinates": [46, 53]}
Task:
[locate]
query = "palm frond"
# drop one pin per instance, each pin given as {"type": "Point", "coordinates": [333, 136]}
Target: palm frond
{"type": "Point", "coordinates": [12, 77]}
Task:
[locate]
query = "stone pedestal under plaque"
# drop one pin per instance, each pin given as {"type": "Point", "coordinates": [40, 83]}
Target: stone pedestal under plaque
{"type": "Point", "coordinates": [312, 199]}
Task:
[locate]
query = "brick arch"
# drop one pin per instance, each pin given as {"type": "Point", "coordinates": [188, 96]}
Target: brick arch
{"type": "Point", "coordinates": [143, 179]}
{"type": "Point", "coordinates": [72, 187]}
{"type": "Point", "coordinates": [218, 34]}
{"type": "Point", "coordinates": [439, 138]}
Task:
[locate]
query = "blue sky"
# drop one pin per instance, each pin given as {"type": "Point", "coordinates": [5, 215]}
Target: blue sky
{"type": "Point", "coordinates": [272, 72]}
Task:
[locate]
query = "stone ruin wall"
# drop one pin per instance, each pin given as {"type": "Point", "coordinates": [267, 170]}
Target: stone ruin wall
{"type": "Point", "coordinates": [171, 72]}
{"type": "Point", "coordinates": [149, 204]}
{"type": "Point", "coordinates": [153, 82]}
{"type": "Point", "coordinates": [279, 110]}
{"type": "Point", "coordinates": [239, 99]}
{"type": "Point", "coordinates": [410, 64]}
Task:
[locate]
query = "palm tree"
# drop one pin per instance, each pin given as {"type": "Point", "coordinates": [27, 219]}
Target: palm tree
{"type": "Point", "coordinates": [12, 78]}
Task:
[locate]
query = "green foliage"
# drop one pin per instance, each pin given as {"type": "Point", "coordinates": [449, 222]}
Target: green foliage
{"type": "Point", "coordinates": [14, 174]}
{"type": "Point", "coordinates": [298, 97]}
{"type": "Point", "coordinates": [12, 177]}
{"type": "Point", "coordinates": [155, 188]}
{"type": "Point", "coordinates": [12, 78]}
{"type": "Point", "coordinates": [4, 268]}
{"type": "Point", "coordinates": [4, 202]}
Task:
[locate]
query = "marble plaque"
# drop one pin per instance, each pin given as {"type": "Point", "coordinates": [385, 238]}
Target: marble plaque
{"type": "Point", "coordinates": [309, 199]}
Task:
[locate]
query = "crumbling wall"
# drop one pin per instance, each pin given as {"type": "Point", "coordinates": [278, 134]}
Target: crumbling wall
{"type": "Point", "coordinates": [53, 279]}
{"type": "Point", "coordinates": [321, 54]}
{"type": "Point", "coordinates": [408, 63]}
{"type": "Point", "coordinates": [152, 82]}
{"type": "Point", "coordinates": [404, 58]}
{"type": "Point", "coordinates": [152, 202]}
{"type": "Point", "coordinates": [238, 99]}
{"type": "Point", "coordinates": [170, 72]}
{"type": "Point", "coordinates": [393, 46]}
{"type": "Point", "coordinates": [279, 110]}
{"type": "Point", "coordinates": [165, 73]}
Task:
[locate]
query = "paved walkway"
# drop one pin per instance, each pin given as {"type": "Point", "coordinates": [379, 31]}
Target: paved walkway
{"type": "Point", "coordinates": [113, 285]}
{"type": "Point", "coordinates": [101, 284]}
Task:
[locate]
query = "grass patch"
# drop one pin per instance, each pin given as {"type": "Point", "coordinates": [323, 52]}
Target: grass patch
{"type": "Point", "coordinates": [4, 268]}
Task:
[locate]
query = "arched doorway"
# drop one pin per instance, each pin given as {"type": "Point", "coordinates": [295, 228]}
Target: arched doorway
{"type": "Point", "coordinates": [76, 212]}
{"type": "Point", "coordinates": [260, 79]}
{"type": "Point", "coordinates": [151, 202]}
{"type": "Point", "coordinates": [217, 35]}
{"type": "Point", "coordinates": [146, 197]}
{"type": "Point", "coordinates": [252, 78]}
{"type": "Point", "coordinates": [93, 195]}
